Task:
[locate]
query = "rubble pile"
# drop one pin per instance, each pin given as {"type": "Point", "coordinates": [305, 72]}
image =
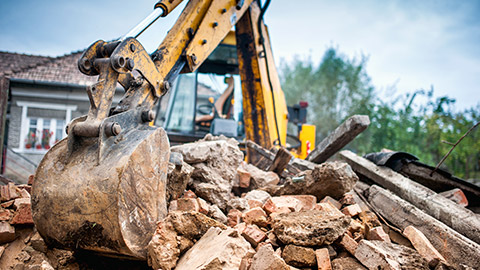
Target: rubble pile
{"type": "Point", "coordinates": [225, 213]}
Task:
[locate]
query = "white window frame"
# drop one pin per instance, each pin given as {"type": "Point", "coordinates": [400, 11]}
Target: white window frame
{"type": "Point", "coordinates": [25, 121]}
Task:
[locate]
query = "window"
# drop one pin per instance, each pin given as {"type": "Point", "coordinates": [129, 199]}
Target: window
{"type": "Point", "coordinates": [42, 125]}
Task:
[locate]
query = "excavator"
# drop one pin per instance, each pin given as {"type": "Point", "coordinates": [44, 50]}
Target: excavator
{"type": "Point", "coordinates": [103, 187]}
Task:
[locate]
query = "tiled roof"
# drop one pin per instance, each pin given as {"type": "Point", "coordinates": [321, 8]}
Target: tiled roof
{"type": "Point", "coordinates": [46, 69]}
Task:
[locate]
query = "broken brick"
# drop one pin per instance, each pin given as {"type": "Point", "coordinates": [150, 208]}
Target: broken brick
{"type": "Point", "coordinates": [456, 195]}
{"type": "Point", "coordinates": [243, 178]}
{"type": "Point", "coordinates": [187, 204]}
{"type": "Point", "coordinates": [253, 235]}
{"type": "Point", "coordinates": [349, 244]}
{"type": "Point", "coordinates": [308, 202]}
{"type": "Point", "coordinates": [323, 259]}
{"type": "Point", "coordinates": [423, 246]}
{"type": "Point", "coordinates": [273, 204]}
{"type": "Point", "coordinates": [252, 203]}
{"type": "Point", "coordinates": [234, 217]}
{"type": "Point", "coordinates": [203, 206]}
{"type": "Point", "coordinates": [266, 258]}
{"type": "Point", "coordinates": [377, 233]}
{"type": "Point", "coordinates": [23, 215]}
{"type": "Point", "coordinates": [255, 216]}
{"type": "Point", "coordinates": [189, 194]}
{"type": "Point", "coordinates": [299, 256]}
{"type": "Point", "coordinates": [331, 200]}
{"type": "Point", "coordinates": [352, 210]}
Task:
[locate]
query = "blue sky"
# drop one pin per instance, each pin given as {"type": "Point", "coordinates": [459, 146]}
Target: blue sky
{"type": "Point", "coordinates": [410, 44]}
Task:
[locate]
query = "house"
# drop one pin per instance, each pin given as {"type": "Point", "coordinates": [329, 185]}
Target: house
{"type": "Point", "coordinates": [39, 96]}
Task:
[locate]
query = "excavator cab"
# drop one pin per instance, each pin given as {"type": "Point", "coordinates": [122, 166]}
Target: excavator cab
{"type": "Point", "coordinates": [206, 101]}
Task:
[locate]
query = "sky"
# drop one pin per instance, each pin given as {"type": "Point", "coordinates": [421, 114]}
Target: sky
{"type": "Point", "coordinates": [410, 44]}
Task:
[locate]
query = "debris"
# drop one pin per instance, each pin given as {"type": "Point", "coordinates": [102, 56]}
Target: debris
{"type": "Point", "coordinates": [377, 233]}
{"type": "Point", "coordinates": [177, 177]}
{"type": "Point", "coordinates": [458, 218]}
{"type": "Point", "coordinates": [253, 235]}
{"type": "Point", "coordinates": [323, 259]}
{"type": "Point", "coordinates": [352, 210]}
{"type": "Point", "coordinates": [299, 256]}
{"type": "Point", "coordinates": [456, 195]}
{"type": "Point", "coordinates": [332, 179]}
{"type": "Point", "coordinates": [259, 178]}
{"type": "Point", "coordinates": [309, 228]}
{"type": "Point", "coordinates": [255, 216]}
{"type": "Point", "coordinates": [453, 246]}
{"type": "Point", "coordinates": [267, 259]}
{"type": "Point", "coordinates": [23, 215]}
{"type": "Point", "coordinates": [217, 249]}
{"type": "Point", "coordinates": [423, 246]}
{"type": "Point", "coordinates": [347, 263]}
{"type": "Point", "coordinates": [383, 255]}
{"type": "Point", "coordinates": [349, 244]}
{"type": "Point", "coordinates": [215, 165]}
{"type": "Point", "coordinates": [340, 137]}
{"type": "Point", "coordinates": [281, 160]}
{"type": "Point", "coordinates": [7, 232]}
{"type": "Point", "coordinates": [328, 199]}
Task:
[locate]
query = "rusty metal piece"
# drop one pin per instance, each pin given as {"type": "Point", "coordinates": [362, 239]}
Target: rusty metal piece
{"type": "Point", "coordinates": [118, 61]}
{"type": "Point", "coordinates": [148, 116]}
{"type": "Point", "coordinates": [86, 129]}
{"type": "Point", "coordinates": [130, 64]}
{"type": "Point", "coordinates": [108, 194]}
{"type": "Point", "coordinates": [112, 129]}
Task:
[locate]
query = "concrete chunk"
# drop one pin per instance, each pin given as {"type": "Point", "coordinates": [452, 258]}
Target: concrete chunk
{"type": "Point", "coordinates": [389, 256]}
{"type": "Point", "coordinates": [217, 249]}
{"type": "Point", "coordinates": [299, 256]}
{"type": "Point", "coordinates": [309, 228]}
{"type": "Point", "coordinates": [267, 259]}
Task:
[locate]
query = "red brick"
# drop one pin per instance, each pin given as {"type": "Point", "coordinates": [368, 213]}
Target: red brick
{"type": "Point", "coordinates": [9, 192]}
{"type": "Point", "coordinates": [349, 244]}
{"type": "Point", "coordinates": [20, 201]}
{"type": "Point", "coordinates": [329, 208]}
{"type": "Point", "coordinates": [456, 195]}
{"type": "Point", "coordinates": [7, 233]}
{"type": "Point", "coordinates": [8, 204]}
{"type": "Point", "coordinates": [328, 199]}
{"type": "Point", "coordinates": [203, 206]}
{"type": "Point", "coordinates": [31, 179]}
{"type": "Point", "coordinates": [323, 259]}
{"type": "Point", "coordinates": [187, 204]}
{"type": "Point", "coordinates": [243, 178]}
{"type": "Point", "coordinates": [255, 216]}
{"type": "Point", "coordinates": [26, 188]}
{"type": "Point", "coordinates": [273, 204]}
{"type": "Point", "coordinates": [308, 202]}
{"type": "Point", "coordinates": [253, 235]}
{"type": "Point", "coordinates": [423, 246]}
{"type": "Point", "coordinates": [234, 217]}
{"type": "Point", "coordinates": [352, 210]}
{"type": "Point", "coordinates": [252, 203]}
{"type": "Point", "coordinates": [377, 233]}
{"type": "Point", "coordinates": [23, 215]}
{"type": "Point", "coordinates": [281, 210]}
{"type": "Point", "coordinates": [189, 194]}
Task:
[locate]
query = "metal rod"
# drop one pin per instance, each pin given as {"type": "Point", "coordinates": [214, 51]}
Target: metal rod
{"type": "Point", "coordinates": [144, 24]}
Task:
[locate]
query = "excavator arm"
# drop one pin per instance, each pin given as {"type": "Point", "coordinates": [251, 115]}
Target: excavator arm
{"type": "Point", "coordinates": [103, 187]}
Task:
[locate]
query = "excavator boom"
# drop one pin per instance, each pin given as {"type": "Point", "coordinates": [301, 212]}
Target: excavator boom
{"type": "Point", "coordinates": [103, 187]}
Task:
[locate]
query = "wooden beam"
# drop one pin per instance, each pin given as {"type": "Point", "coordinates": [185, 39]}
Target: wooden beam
{"type": "Point", "coordinates": [281, 160]}
{"type": "Point", "coordinates": [340, 137]}
{"type": "Point", "coordinates": [458, 218]}
{"type": "Point", "coordinates": [454, 247]}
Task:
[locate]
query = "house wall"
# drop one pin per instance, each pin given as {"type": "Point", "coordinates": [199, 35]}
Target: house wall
{"type": "Point", "coordinates": [51, 105]}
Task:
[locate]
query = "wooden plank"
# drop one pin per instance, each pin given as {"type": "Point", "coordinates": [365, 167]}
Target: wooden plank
{"type": "Point", "coordinates": [458, 218]}
{"type": "Point", "coordinates": [454, 247]}
{"type": "Point", "coordinates": [281, 160]}
{"type": "Point", "coordinates": [268, 158]}
{"type": "Point", "coordinates": [340, 137]}
{"type": "Point", "coordinates": [4, 90]}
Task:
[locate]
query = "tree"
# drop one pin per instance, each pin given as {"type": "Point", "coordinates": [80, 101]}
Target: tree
{"type": "Point", "coordinates": [335, 89]}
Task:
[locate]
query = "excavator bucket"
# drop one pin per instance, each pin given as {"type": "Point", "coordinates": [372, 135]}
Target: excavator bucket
{"type": "Point", "coordinates": [104, 193]}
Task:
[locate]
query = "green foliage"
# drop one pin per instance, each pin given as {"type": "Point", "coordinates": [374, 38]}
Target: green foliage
{"type": "Point", "coordinates": [339, 87]}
